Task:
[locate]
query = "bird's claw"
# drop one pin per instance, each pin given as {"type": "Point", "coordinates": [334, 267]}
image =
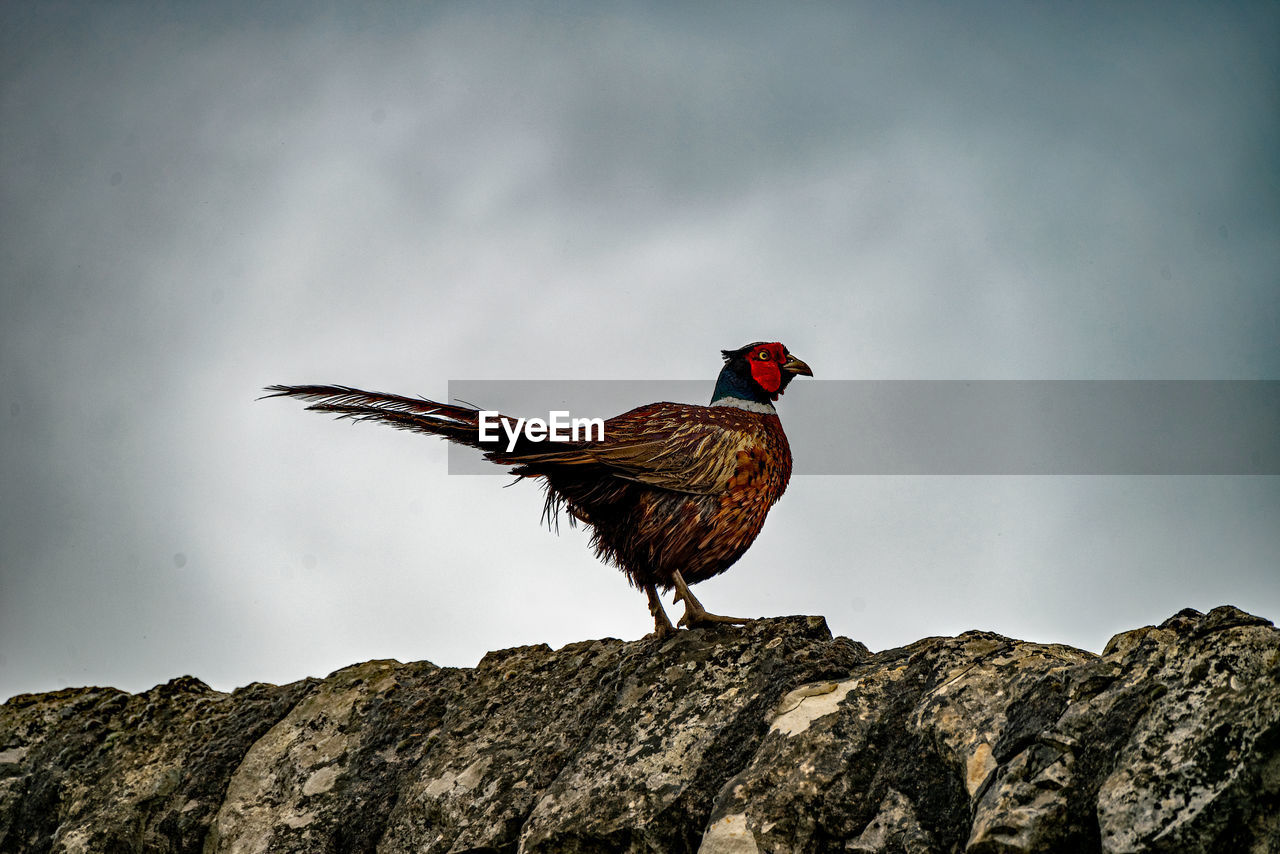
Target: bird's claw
{"type": "Point", "coordinates": [662, 632]}
{"type": "Point", "coordinates": [692, 619]}
{"type": "Point", "coordinates": [694, 614]}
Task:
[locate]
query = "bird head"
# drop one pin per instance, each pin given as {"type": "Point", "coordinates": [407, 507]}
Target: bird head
{"type": "Point", "coordinates": [757, 373]}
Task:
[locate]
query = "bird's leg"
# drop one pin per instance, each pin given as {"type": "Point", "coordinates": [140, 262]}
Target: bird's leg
{"type": "Point", "coordinates": [661, 623]}
{"type": "Point", "coordinates": [694, 614]}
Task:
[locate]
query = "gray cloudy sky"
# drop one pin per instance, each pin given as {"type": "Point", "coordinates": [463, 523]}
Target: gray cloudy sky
{"type": "Point", "coordinates": [200, 200]}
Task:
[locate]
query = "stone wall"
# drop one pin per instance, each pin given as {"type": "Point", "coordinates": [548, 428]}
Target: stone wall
{"type": "Point", "coordinates": [771, 738]}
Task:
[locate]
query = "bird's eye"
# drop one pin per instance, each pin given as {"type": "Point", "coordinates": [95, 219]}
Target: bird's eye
{"type": "Point", "coordinates": [763, 355]}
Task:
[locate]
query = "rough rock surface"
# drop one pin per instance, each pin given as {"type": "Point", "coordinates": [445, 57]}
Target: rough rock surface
{"type": "Point", "coordinates": [770, 738]}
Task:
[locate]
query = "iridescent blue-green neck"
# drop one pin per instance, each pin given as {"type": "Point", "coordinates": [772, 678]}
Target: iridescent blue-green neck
{"type": "Point", "coordinates": [736, 388]}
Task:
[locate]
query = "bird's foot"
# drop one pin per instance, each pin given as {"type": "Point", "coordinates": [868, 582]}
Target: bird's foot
{"type": "Point", "coordinates": [662, 627]}
{"type": "Point", "coordinates": [698, 617]}
{"type": "Point", "coordinates": [662, 631]}
{"type": "Point", "coordinates": [694, 614]}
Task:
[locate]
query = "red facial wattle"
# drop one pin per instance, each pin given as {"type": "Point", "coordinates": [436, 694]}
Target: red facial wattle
{"type": "Point", "coordinates": [766, 367]}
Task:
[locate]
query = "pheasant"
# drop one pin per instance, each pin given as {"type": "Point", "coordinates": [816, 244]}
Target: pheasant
{"type": "Point", "coordinates": [673, 493]}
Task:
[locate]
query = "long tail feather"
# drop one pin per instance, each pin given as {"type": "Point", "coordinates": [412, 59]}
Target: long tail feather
{"type": "Point", "coordinates": [456, 423]}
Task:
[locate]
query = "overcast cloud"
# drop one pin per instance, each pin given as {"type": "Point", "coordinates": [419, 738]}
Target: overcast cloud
{"type": "Point", "coordinates": [197, 202]}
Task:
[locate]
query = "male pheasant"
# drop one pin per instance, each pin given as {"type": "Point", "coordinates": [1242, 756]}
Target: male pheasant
{"type": "Point", "coordinates": [674, 493]}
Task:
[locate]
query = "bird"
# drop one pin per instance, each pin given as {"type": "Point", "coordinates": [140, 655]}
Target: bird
{"type": "Point", "coordinates": [673, 493]}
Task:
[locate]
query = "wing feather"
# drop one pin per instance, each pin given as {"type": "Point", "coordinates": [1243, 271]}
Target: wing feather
{"type": "Point", "coordinates": [666, 445]}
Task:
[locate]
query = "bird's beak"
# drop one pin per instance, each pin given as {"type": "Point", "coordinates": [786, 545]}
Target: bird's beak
{"type": "Point", "coordinates": [794, 366]}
